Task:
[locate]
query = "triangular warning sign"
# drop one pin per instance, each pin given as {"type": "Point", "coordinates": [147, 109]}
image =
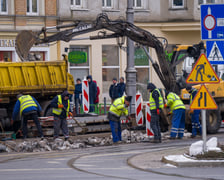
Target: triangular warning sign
{"type": "Point", "coordinates": [203, 100]}
{"type": "Point", "coordinates": [202, 72]}
{"type": "Point", "coordinates": [215, 53]}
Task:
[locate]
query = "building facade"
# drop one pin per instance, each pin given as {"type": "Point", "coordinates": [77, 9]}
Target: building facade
{"type": "Point", "coordinates": [176, 20]}
{"type": "Point", "coordinates": [16, 15]}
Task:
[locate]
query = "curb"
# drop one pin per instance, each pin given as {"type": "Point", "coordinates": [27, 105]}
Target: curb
{"type": "Point", "coordinates": [188, 162]}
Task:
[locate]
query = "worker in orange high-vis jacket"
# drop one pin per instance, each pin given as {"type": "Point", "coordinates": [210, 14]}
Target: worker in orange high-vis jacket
{"type": "Point", "coordinates": [61, 110]}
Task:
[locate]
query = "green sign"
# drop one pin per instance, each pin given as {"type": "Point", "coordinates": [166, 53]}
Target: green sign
{"type": "Point", "coordinates": [77, 57]}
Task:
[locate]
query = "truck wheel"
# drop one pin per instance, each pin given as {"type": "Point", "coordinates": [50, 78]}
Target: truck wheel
{"type": "Point", "coordinates": [213, 121]}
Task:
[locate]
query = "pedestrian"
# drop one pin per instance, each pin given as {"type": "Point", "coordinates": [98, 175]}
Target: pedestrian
{"type": "Point", "coordinates": [156, 105]}
{"type": "Point", "coordinates": [96, 102]}
{"type": "Point", "coordinates": [61, 110]}
{"type": "Point", "coordinates": [114, 90]}
{"type": "Point", "coordinates": [177, 109]}
{"type": "Point", "coordinates": [78, 95]}
{"type": "Point", "coordinates": [29, 109]}
{"type": "Point", "coordinates": [118, 108]}
{"type": "Point", "coordinates": [122, 87]}
{"type": "Point", "coordinates": [92, 92]}
{"type": "Point", "coordinates": [196, 126]}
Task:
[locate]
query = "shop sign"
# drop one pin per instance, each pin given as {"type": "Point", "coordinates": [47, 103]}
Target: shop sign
{"type": "Point", "coordinates": [7, 43]}
{"type": "Point", "coordinates": [77, 57]}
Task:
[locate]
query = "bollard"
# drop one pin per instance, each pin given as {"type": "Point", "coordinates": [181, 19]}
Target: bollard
{"type": "Point", "coordinates": [105, 106]}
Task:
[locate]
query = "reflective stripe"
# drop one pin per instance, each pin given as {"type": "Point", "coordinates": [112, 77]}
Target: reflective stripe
{"type": "Point", "coordinates": [58, 111]}
{"type": "Point", "coordinates": [152, 101]}
{"type": "Point", "coordinates": [25, 102]}
{"type": "Point", "coordinates": [118, 107]}
{"type": "Point", "coordinates": [175, 102]}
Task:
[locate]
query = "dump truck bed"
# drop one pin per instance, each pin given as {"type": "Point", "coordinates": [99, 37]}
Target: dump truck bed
{"type": "Point", "coordinates": [34, 77]}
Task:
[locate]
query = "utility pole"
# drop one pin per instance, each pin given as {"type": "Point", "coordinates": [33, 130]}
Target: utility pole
{"type": "Point", "coordinates": [130, 71]}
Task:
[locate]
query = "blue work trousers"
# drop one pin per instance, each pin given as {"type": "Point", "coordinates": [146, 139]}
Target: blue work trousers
{"type": "Point", "coordinates": [115, 127]}
{"type": "Point", "coordinates": [178, 123]}
{"type": "Point", "coordinates": [196, 126]}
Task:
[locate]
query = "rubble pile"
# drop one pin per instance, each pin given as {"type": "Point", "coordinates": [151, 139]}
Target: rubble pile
{"type": "Point", "coordinates": [50, 144]}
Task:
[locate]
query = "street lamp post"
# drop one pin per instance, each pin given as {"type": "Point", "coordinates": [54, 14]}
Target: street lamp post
{"type": "Point", "coordinates": [130, 70]}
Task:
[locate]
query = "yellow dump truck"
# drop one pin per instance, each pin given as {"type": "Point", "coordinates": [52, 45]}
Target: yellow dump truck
{"type": "Point", "coordinates": [43, 80]}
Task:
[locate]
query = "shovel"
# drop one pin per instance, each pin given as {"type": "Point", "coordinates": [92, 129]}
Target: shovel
{"type": "Point", "coordinates": [84, 129]}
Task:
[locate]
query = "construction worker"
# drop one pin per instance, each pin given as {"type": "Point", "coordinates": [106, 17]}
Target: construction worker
{"type": "Point", "coordinates": [61, 110]}
{"type": "Point", "coordinates": [118, 108]}
{"type": "Point", "coordinates": [177, 109]}
{"type": "Point", "coordinates": [196, 126]}
{"type": "Point", "coordinates": [156, 105]}
{"type": "Point", "coordinates": [29, 109]}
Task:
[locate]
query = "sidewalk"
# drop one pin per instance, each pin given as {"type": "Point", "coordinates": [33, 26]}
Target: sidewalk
{"type": "Point", "coordinates": [170, 158]}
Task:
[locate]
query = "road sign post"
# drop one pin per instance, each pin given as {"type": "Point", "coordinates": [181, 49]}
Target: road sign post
{"type": "Point", "coordinates": [203, 73]}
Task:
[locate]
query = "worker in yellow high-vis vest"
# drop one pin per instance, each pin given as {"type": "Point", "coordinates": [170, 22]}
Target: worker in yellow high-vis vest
{"type": "Point", "coordinates": [177, 109]}
{"type": "Point", "coordinates": [119, 107]}
{"type": "Point", "coordinates": [29, 108]}
{"type": "Point", "coordinates": [156, 105]}
{"type": "Point", "coordinates": [61, 110]}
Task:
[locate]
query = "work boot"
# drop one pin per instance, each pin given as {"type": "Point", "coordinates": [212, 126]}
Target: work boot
{"type": "Point", "coordinates": [66, 138]}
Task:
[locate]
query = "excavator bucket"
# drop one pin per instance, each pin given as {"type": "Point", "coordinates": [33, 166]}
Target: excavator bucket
{"type": "Point", "coordinates": [24, 41]}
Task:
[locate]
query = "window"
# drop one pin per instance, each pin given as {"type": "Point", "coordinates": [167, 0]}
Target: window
{"type": "Point", "coordinates": [142, 75]}
{"type": "Point", "coordinates": [110, 65]}
{"type": "Point", "coordinates": [107, 3]}
{"type": "Point", "coordinates": [32, 7]}
{"type": "Point", "coordinates": [76, 3]}
{"type": "Point", "coordinates": [177, 3]}
{"type": "Point", "coordinates": [4, 7]}
{"type": "Point", "coordinates": [79, 70]}
{"type": "Point", "coordinates": [137, 4]}
{"type": "Point", "coordinates": [205, 2]}
{"type": "Point", "coordinates": [6, 56]}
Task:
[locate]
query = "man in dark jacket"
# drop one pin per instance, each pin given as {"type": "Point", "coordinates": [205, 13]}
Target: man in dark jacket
{"type": "Point", "coordinates": [29, 109]}
{"type": "Point", "coordinates": [156, 105]}
{"type": "Point", "coordinates": [114, 90]}
{"type": "Point", "coordinates": [61, 110]}
{"type": "Point", "coordinates": [92, 92]}
{"type": "Point", "coordinates": [196, 126]}
{"type": "Point", "coordinates": [122, 87]}
{"type": "Point", "coordinates": [78, 95]}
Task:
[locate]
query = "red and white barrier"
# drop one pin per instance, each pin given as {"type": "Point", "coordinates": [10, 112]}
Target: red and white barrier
{"type": "Point", "coordinates": [85, 96]}
{"type": "Point", "coordinates": [138, 109]}
{"type": "Point", "coordinates": [148, 120]}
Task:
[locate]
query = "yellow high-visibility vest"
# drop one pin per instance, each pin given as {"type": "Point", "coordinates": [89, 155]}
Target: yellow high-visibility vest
{"type": "Point", "coordinates": [174, 102]}
{"type": "Point", "coordinates": [58, 111]}
{"type": "Point", "coordinates": [152, 102]}
{"type": "Point", "coordinates": [118, 107]}
{"type": "Point", "coordinates": [25, 102]}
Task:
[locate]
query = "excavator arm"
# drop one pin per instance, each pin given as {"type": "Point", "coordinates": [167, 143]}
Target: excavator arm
{"type": "Point", "coordinates": [119, 28]}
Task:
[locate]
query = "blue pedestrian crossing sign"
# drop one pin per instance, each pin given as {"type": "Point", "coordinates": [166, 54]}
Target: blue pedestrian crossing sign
{"type": "Point", "coordinates": [212, 22]}
{"type": "Point", "coordinates": [215, 52]}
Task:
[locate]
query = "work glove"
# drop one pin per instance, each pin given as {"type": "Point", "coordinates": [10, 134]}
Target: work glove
{"type": "Point", "coordinates": [165, 106]}
{"type": "Point", "coordinates": [60, 105]}
{"type": "Point", "coordinates": [169, 113]}
{"type": "Point", "coordinates": [191, 111]}
{"type": "Point", "coordinates": [11, 122]}
{"type": "Point", "coordinates": [157, 111]}
{"type": "Point", "coordinates": [70, 114]}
